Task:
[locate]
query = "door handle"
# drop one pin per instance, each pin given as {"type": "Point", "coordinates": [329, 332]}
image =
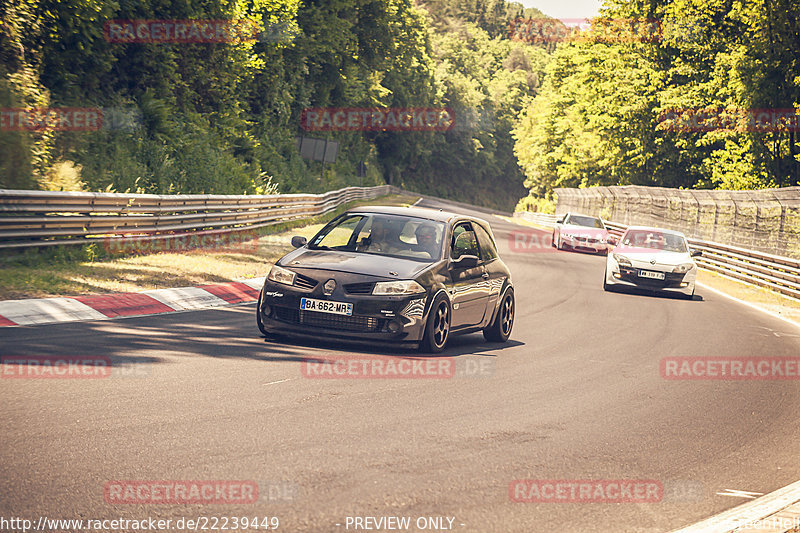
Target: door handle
{"type": "Point", "coordinates": [485, 275]}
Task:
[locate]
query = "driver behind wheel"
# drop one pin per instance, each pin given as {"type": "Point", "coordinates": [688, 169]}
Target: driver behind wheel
{"type": "Point", "coordinates": [381, 238]}
{"type": "Point", "coordinates": [426, 240]}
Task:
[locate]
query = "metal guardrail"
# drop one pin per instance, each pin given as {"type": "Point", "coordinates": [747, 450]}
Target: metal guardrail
{"type": "Point", "coordinates": [43, 218]}
{"type": "Point", "coordinates": [766, 220]}
{"type": "Point", "coordinates": [780, 274]}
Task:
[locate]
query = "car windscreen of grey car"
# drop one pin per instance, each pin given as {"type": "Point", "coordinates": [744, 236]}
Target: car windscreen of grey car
{"type": "Point", "coordinates": [402, 237]}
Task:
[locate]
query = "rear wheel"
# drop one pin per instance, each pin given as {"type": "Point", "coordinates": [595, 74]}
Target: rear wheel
{"type": "Point", "coordinates": [500, 330]}
{"type": "Point", "coordinates": [437, 329]}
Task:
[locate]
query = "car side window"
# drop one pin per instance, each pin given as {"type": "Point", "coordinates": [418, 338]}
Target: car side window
{"type": "Point", "coordinates": [488, 249]}
{"type": "Point", "coordinates": [464, 241]}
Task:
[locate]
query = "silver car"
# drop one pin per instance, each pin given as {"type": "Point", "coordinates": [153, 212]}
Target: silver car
{"type": "Point", "coordinates": [652, 259]}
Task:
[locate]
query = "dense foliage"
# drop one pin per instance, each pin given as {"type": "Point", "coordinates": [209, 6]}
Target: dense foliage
{"type": "Point", "coordinates": [598, 119]}
{"type": "Point", "coordinates": [223, 117]}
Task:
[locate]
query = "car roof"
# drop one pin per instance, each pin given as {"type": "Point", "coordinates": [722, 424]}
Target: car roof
{"type": "Point", "coordinates": [419, 212]}
{"type": "Point", "coordinates": [660, 230]}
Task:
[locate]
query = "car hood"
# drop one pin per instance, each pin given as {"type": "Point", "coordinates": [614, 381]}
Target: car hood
{"type": "Point", "coordinates": [647, 255]}
{"type": "Point", "coordinates": [354, 263]}
{"type": "Point", "coordinates": [582, 230]}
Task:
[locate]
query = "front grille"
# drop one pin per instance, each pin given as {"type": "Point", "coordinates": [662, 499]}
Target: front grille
{"type": "Point", "coordinates": [327, 320]}
{"type": "Point", "coordinates": [671, 279]}
{"type": "Point", "coordinates": [359, 288]}
{"type": "Point", "coordinates": [304, 282]}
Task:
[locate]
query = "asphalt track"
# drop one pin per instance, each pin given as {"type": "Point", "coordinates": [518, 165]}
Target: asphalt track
{"type": "Point", "coordinates": [575, 395]}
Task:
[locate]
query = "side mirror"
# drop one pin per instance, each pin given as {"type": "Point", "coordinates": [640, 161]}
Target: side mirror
{"type": "Point", "coordinates": [612, 241]}
{"type": "Point", "coordinates": [695, 253]}
{"type": "Point", "coordinates": [466, 261]}
{"type": "Point", "coordinates": [298, 241]}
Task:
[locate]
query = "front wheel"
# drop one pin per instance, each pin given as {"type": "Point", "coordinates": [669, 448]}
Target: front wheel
{"type": "Point", "coordinates": [258, 314]}
{"type": "Point", "coordinates": [437, 329]}
{"type": "Point", "coordinates": [500, 330]}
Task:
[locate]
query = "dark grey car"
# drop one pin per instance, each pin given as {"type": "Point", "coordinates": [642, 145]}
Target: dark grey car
{"type": "Point", "coordinates": [391, 274]}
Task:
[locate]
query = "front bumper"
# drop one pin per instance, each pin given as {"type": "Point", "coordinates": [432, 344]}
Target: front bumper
{"type": "Point", "coordinates": [375, 318]}
{"type": "Point", "coordinates": [628, 276]}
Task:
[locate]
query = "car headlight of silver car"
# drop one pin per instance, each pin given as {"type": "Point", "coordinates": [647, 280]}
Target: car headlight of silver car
{"type": "Point", "coordinates": [622, 260]}
{"type": "Point", "coordinates": [397, 288]}
{"type": "Point", "coordinates": [683, 269]}
{"type": "Point", "coordinates": [281, 275]}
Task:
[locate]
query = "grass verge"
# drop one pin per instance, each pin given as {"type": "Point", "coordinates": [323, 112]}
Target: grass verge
{"type": "Point", "coordinates": [89, 269]}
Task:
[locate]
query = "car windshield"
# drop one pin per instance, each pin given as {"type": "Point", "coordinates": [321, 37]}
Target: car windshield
{"type": "Point", "coordinates": [379, 234]}
{"type": "Point", "coordinates": [589, 222]}
{"type": "Point", "coordinates": [655, 239]}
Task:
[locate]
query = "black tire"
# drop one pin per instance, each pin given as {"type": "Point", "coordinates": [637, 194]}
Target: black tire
{"type": "Point", "coordinates": [500, 329]}
{"type": "Point", "coordinates": [606, 286]}
{"type": "Point", "coordinates": [258, 315]}
{"type": "Point", "coordinates": [437, 328]}
{"type": "Point", "coordinates": [553, 242]}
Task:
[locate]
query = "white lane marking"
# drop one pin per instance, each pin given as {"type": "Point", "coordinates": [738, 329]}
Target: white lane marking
{"type": "Point", "coordinates": [48, 310]}
{"type": "Point", "coordinates": [750, 511]}
{"type": "Point", "coordinates": [255, 283]}
{"type": "Point", "coordinates": [748, 304]}
{"type": "Point", "coordinates": [740, 493]}
{"type": "Point", "coordinates": [186, 298]}
{"type": "Point", "coordinates": [276, 382]}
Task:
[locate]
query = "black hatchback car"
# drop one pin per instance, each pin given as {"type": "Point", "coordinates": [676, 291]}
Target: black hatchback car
{"type": "Point", "coordinates": [391, 274]}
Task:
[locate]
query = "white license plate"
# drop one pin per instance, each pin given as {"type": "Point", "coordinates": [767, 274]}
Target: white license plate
{"type": "Point", "coordinates": [326, 306]}
{"type": "Point", "coordinates": [651, 275]}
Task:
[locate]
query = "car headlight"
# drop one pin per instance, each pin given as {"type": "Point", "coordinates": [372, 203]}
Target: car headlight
{"type": "Point", "coordinates": [622, 260]}
{"type": "Point", "coordinates": [281, 275]}
{"type": "Point", "coordinates": [394, 288]}
{"type": "Point", "coordinates": [683, 269]}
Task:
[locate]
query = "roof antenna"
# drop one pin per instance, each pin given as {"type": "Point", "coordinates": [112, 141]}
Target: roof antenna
{"type": "Point", "coordinates": [440, 209]}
